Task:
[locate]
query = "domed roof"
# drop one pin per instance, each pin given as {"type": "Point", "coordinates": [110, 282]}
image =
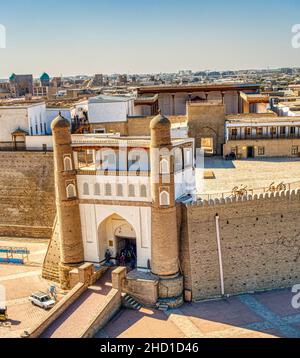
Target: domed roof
{"type": "Point", "coordinates": [160, 121]}
{"type": "Point", "coordinates": [45, 77]}
{"type": "Point", "coordinates": [60, 122]}
{"type": "Point", "coordinates": [12, 77]}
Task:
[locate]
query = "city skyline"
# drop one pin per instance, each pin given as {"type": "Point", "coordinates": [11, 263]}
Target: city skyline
{"type": "Point", "coordinates": [146, 36]}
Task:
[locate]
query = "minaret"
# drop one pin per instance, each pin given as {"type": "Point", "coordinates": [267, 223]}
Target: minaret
{"type": "Point", "coordinates": [165, 238]}
{"type": "Point", "coordinates": [71, 245]}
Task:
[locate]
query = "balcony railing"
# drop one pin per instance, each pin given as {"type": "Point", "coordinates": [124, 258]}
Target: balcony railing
{"type": "Point", "coordinates": [113, 173]}
{"type": "Point", "coordinates": [263, 136]}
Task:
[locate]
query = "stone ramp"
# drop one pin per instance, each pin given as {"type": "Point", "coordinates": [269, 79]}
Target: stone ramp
{"type": "Point", "coordinates": [76, 319]}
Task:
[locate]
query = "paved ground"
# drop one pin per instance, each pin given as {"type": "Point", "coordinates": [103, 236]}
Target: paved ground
{"type": "Point", "coordinates": [20, 282]}
{"type": "Point", "coordinates": [264, 315]}
{"type": "Point", "coordinates": [254, 173]}
{"type": "Point", "coordinates": [75, 319]}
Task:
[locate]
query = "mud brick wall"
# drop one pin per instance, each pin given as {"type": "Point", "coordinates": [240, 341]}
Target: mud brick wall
{"type": "Point", "coordinates": [27, 194]}
{"type": "Point", "coordinates": [260, 239]}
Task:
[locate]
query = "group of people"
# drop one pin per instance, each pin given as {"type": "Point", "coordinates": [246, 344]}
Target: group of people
{"type": "Point", "coordinates": [127, 257]}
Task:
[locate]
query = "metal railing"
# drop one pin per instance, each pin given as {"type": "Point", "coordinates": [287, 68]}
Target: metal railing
{"type": "Point", "coordinates": [243, 191]}
{"type": "Point", "coordinates": [259, 137]}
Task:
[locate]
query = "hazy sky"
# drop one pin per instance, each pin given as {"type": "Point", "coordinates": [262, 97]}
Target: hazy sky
{"type": "Point", "coordinates": [136, 36]}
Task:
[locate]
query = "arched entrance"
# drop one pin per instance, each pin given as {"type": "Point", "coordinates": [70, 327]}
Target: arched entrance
{"type": "Point", "coordinates": [207, 139]}
{"type": "Point", "coordinates": [119, 237]}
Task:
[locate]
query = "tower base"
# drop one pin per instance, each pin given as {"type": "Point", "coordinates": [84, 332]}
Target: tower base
{"type": "Point", "coordinates": [170, 291]}
{"type": "Point", "coordinates": [64, 275]}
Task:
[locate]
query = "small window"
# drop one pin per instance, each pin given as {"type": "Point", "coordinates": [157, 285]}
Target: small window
{"type": "Point", "coordinates": [67, 164]}
{"type": "Point", "coordinates": [273, 130]}
{"type": "Point", "coordinates": [143, 191]}
{"type": "Point", "coordinates": [119, 190]}
{"type": "Point", "coordinates": [234, 132]}
{"type": "Point", "coordinates": [164, 166]}
{"type": "Point", "coordinates": [164, 198]}
{"type": "Point", "coordinates": [259, 132]}
{"type": "Point", "coordinates": [282, 130]}
{"type": "Point", "coordinates": [108, 190]}
{"type": "Point", "coordinates": [100, 131]}
{"type": "Point", "coordinates": [248, 131]}
{"type": "Point", "coordinates": [86, 190]}
{"type": "Point", "coordinates": [71, 191]}
{"type": "Point", "coordinates": [131, 191]}
{"type": "Point", "coordinates": [97, 189]}
{"type": "Point", "coordinates": [261, 151]}
{"type": "Point", "coordinates": [293, 130]}
{"type": "Point", "coordinates": [295, 150]}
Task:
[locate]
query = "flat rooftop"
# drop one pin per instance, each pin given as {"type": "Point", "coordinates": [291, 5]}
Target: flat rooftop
{"type": "Point", "coordinates": [63, 103]}
{"type": "Point", "coordinates": [20, 103]}
{"type": "Point", "coordinates": [255, 174]}
{"type": "Point", "coordinates": [199, 88]}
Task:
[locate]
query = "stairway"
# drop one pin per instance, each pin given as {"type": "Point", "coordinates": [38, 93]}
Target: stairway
{"type": "Point", "coordinates": [163, 307]}
{"type": "Point", "coordinates": [131, 303]}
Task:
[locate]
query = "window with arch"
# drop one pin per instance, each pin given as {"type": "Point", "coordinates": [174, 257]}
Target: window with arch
{"type": "Point", "coordinates": [144, 191]}
{"type": "Point", "coordinates": [68, 164]}
{"type": "Point", "coordinates": [164, 166]}
{"type": "Point", "coordinates": [97, 189]}
{"type": "Point", "coordinates": [119, 190]}
{"type": "Point", "coordinates": [164, 198]}
{"type": "Point", "coordinates": [71, 191]}
{"type": "Point", "coordinates": [108, 190]}
{"type": "Point", "coordinates": [131, 191]}
{"type": "Point", "coordinates": [86, 189]}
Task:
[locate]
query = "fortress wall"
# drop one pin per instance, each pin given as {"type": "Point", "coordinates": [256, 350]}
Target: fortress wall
{"type": "Point", "coordinates": [27, 194]}
{"type": "Point", "coordinates": [260, 239]}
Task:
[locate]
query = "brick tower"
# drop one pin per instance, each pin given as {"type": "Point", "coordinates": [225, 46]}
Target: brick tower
{"type": "Point", "coordinates": [165, 238]}
{"type": "Point", "coordinates": [71, 245]}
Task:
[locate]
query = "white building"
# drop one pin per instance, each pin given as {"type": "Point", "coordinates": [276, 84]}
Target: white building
{"type": "Point", "coordinates": [104, 109]}
{"type": "Point", "coordinates": [114, 189]}
{"type": "Point", "coordinates": [28, 117]}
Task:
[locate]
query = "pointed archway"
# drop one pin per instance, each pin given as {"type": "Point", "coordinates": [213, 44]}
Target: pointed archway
{"type": "Point", "coordinates": [118, 236]}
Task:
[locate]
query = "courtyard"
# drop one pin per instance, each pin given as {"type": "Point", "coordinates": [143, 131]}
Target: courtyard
{"type": "Point", "coordinates": [261, 315]}
{"type": "Point", "coordinates": [255, 174]}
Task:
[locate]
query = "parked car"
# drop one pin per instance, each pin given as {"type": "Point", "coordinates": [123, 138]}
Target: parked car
{"type": "Point", "coordinates": [42, 300]}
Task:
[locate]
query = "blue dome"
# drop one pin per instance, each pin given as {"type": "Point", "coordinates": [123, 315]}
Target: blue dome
{"type": "Point", "coordinates": [12, 77]}
{"type": "Point", "coordinates": [45, 77]}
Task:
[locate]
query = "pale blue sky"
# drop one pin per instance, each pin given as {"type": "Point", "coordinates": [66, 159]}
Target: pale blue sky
{"type": "Point", "coordinates": [136, 36]}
